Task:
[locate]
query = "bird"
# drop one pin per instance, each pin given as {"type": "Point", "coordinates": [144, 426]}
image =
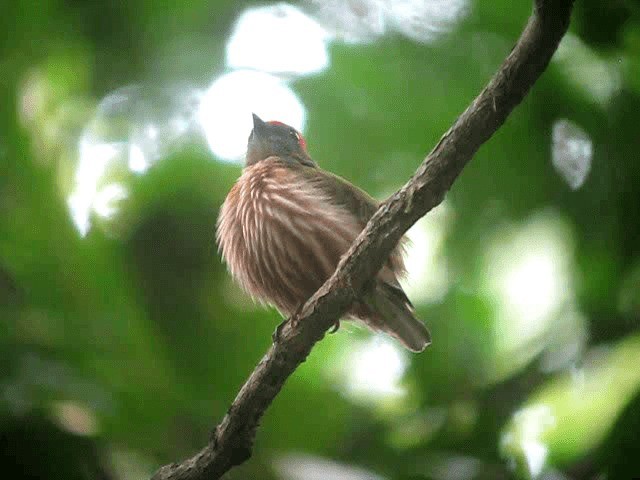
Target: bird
{"type": "Point", "coordinates": [286, 223]}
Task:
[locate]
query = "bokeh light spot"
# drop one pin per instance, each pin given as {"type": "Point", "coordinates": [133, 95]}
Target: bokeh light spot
{"type": "Point", "coordinates": [358, 21]}
{"type": "Point", "coordinates": [376, 368]}
{"type": "Point", "coordinates": [531, 287]}
{"type": "Point", "coordinates": [598, 78]}
{"type": "Point", "coordinates": [524, 440]}
{"type": "Point", "coordinates": [75, 418]}
{"type": "Point", "coordinates": [426, 20]}
{"type": "Point", "coordinates": [307, 467]}
{"type": "Point", "coordinates": [428, 276]}
{"type": "Point", "coordinates": [132, 128]}
{"type": "Point", "coordinates": [353, 21]}
{"type": "Point", "coordinates": [571, 152]}
{"type": "Point", "coordinates": [528, 273]}
{"type": "Point", "coordinates": [226, 107]}
{"type": "Point", "coordinates": [93, 161]}
{"type": "Point", "coordinates": [278, 39]}
{"type": "Point", "coordinates": [107, 199]}
{"type": "Point", "coordinates": [529, 270]}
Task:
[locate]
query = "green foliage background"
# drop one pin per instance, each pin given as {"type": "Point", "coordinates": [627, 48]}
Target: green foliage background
{"type": "Point", "coordinates": [137, 333]}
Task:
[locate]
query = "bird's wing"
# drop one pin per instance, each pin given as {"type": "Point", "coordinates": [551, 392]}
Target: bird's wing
{"type": "Point", "coordinates": [356, 201]}
{"type": "Point", "coordinates": [362, 206]}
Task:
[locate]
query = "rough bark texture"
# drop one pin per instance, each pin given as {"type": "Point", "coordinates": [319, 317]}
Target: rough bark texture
{"type": "Point", "coordinates": [232, 441]}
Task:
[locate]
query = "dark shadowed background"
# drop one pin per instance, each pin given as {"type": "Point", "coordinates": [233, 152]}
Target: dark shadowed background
{"type": "Point", "coordinates": [122, 338]}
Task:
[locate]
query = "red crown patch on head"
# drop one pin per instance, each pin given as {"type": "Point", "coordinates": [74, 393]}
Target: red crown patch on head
{"type": "Point", "coordinates": [301, 141]}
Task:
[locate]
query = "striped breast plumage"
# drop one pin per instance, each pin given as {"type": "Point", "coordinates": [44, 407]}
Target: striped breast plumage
{"type": "Point", "coordinates": [282, 236]}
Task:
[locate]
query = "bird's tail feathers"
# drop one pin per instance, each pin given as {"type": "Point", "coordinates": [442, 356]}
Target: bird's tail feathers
{"type": "Point", "coordinates": [395, 316]}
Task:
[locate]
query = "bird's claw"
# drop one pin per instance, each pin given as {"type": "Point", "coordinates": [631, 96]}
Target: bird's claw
{"type": "Point", "coordinates": [335, 327]}
{"type": "Point", "coordinates": [294, 319]}
{"type": "Point", "coordinates": [275, 336]}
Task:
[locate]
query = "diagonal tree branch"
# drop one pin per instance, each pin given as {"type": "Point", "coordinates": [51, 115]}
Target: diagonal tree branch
{"type": "Point", "coordinates": [232, 441]}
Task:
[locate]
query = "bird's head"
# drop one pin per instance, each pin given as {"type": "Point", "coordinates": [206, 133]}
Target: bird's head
{"type": "Point", "coordinates": [274, 138]}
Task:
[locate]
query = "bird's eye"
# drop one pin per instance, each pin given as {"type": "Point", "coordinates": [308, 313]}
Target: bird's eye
{"type": "Point", "coordinates": [299, 138]}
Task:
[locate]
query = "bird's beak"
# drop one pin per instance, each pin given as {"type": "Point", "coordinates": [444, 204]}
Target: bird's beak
{"type": "Point", "coordinates": [258, 124]}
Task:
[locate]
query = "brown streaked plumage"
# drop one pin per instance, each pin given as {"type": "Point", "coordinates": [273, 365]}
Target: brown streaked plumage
{"type": "Point", "coordinates": [285, 224]}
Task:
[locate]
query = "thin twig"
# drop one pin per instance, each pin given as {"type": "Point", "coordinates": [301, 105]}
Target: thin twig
{"type": "Point", "coordinates": [232, 441]}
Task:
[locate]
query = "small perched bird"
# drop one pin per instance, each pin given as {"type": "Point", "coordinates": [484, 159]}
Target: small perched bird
{"type": "Point", "coordinates": [285, 225]}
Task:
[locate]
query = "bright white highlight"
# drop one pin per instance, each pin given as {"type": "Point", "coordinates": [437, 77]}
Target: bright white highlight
{"type": "Point", "coordinates": [353, 21]}
{"type": "Point", "coordinates": [93, 161]}
{"type": "Point", "coordinates": [571, 152]}
{"type": "Point", "coordinates": [428, 277]}
{"type": "Point", "coordinates": [107, 199]}
{"type": "Point", "coordinates": [535, 454]}
{"type": "Point", "coordinates": [307, 467]}
{"type": "Point", "coordinates": [528, 272]}
{"type": "Point", "coordinates": [132, 129]}
{"type": "Point", "coordinates": [525, 438]}
{"type": "Point", "coordinates": [532, 286]}
{"type": "Point", "coordinates": [365, 20]}
{"type": "Point", "coordinates": [138, 163]}
{"type": "Point", "coordinates": [376, 368]}
{"type": "Point", "coordinates": [225, 110]}
{"type": "Point", "coordinates": [426, 20]}
{"type": "Point", "coordinates": [278, 39]}
{"type": "Point", "coordinates": [600, 79]}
